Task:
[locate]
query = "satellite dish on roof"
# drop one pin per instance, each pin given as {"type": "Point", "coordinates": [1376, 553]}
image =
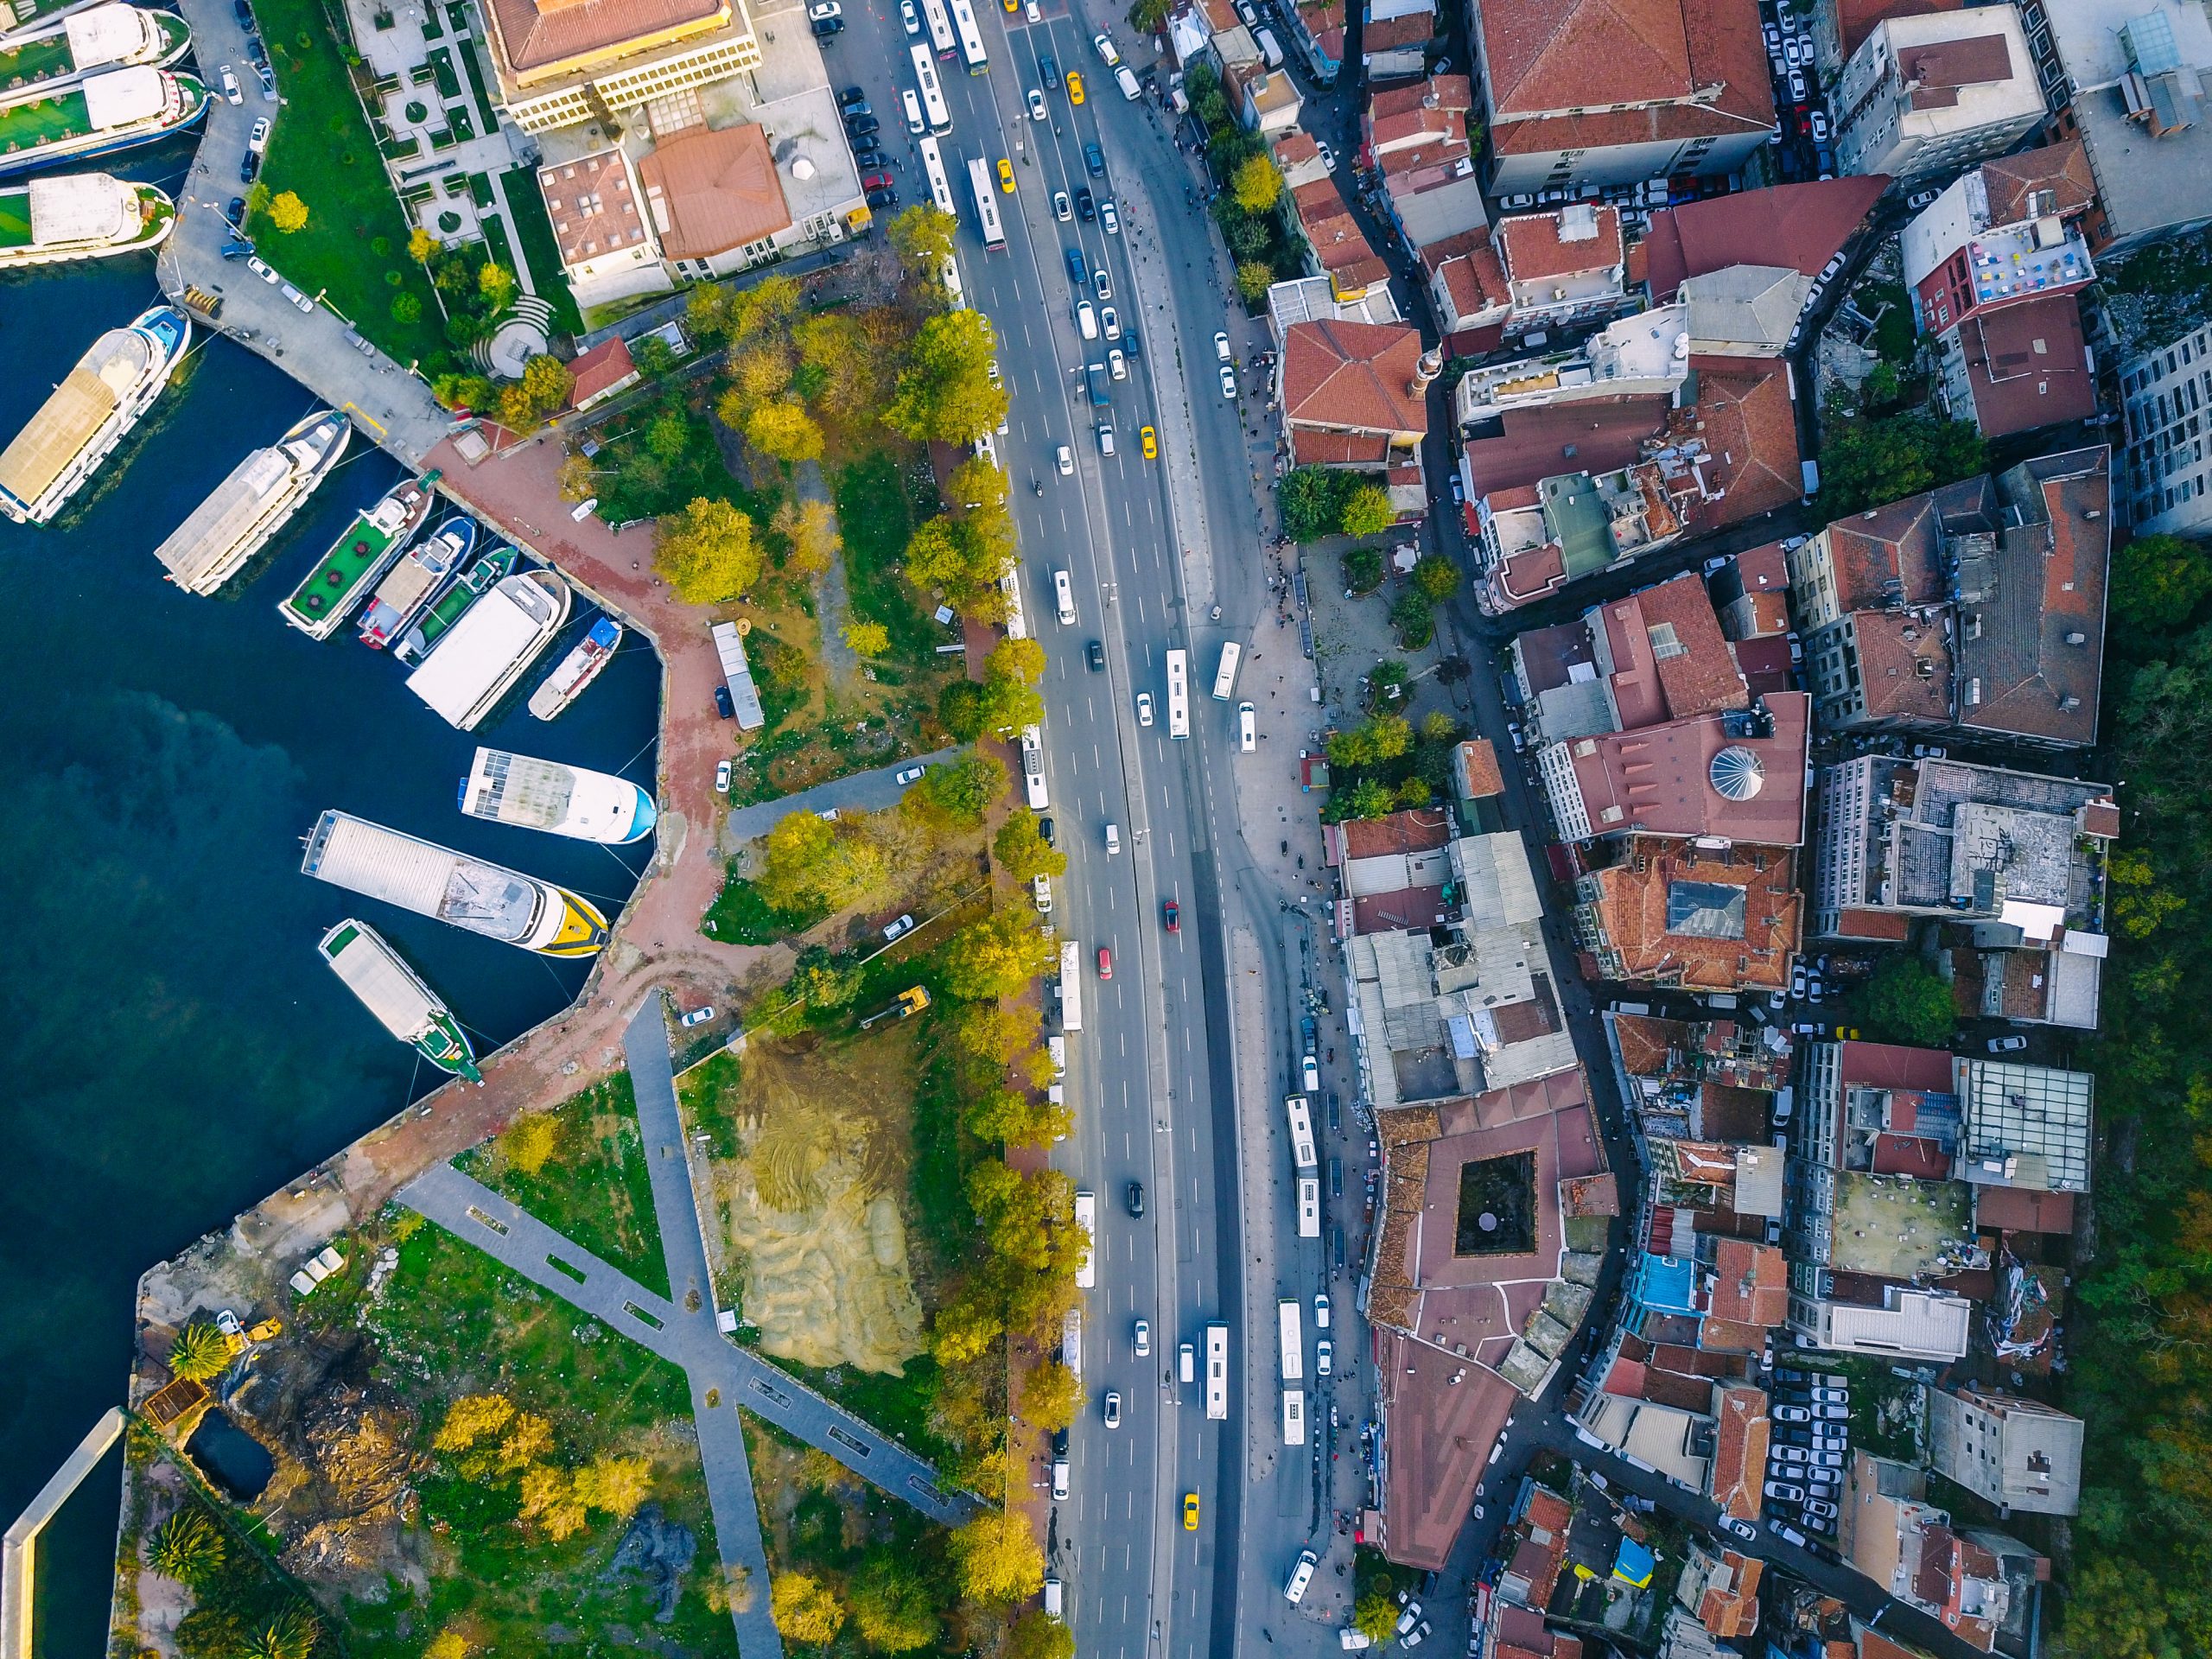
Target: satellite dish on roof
{"type": "Point", "coordinates": [1736, 773]}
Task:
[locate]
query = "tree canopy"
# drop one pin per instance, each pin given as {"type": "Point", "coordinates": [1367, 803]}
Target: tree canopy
{"type": "Point", "coordinates": [1256, 184]}
{"type": "Point", "coordinates": [808, 863]}
{"type": "Point", "coordinates": [997, 1558]}
{"type": "Point", "coordinates": [1367, 511]}
{"type": "Point", "coordinates": [1869, 462]}
{"type": "Point", "coordinates": [921, 236]}
{"type": "Point", "coordinates": [706, 553]}
{"type": "Point", "coordinates": [946, 393]}
{"type": "Point", "coordinates": [1023, 852]}
{"type": "Point", "coordinates": [1907, 1003]}
{"type": "Point", "coordinates": [996, 957]}
{"type": "Point", "coordinates": [1012, 673]}
{"type": "Point", "coordinates": [2157, 581]}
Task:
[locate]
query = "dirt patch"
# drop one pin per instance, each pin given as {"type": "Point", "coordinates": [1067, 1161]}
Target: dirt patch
{"type": "Point", "coordinates": [811, 1203]}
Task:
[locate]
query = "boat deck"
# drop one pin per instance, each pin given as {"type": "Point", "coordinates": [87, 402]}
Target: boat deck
{"type": "Point", "coordinates": [15, 217]}
{"type": "Point", "coordinates": [47, 120]}
{"type": "Point", "coordinates": [330, 586]}
{"type": "Point", "coordinates": [36, 61]}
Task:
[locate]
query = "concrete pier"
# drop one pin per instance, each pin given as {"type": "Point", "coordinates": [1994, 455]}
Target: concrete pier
{"type": "Point", "coordinates": [19, 1554]}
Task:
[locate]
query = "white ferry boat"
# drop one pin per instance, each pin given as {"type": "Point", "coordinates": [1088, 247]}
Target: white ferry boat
{"type": "Point", "coordinates": [561, 799]}
{"type": "Point", "coordinates": [417, 580]}
{"type": "Point", "coordinates": [64, 50]}
{"type": "Point", "coordinates": [257, 500]}
{"type": "Point", "coordinates": [485, 651]}
{"type": "Point", "coordinates": [113, 109]}
{"type": "Point", "coordinates": [467, 892]}
{"type": "Point", "coordinates": [79, 216]}
{"type": "Point", "coordinates": [112, 385]}
{"type": "Point", "coordinates": [402, 1004]}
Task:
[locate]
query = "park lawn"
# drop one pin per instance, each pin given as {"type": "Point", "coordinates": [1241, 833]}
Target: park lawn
{"type": "Point", "coordinates": [596, 1189]}
{"type": "Point", "coordinates": [320, 150]}
{"type": "Point", "coordinates": [450, 1321]}
{"type": "Point", "coordinates": [877, 515]}
{"type": "Point", "coordinates": [533, 233]}
{"type": "Point", "coordinates": [741, 916]}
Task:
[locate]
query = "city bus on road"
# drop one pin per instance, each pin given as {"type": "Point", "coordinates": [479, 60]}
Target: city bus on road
{"type": "Point", "coordinates": [1217, 1371]}
{"type": "Point", "coordinates": [1287, 1317]}
{"type": "Point", "coordinates": [1178, 693]}
{"type": "Point", "coordinates": [1294, 1416]}
{"type": "Point", "coordinates": [1086, 1216]}
{"type": "Point", "coordinates": [987, 207]}
{"type": "Point", "coordinates": [1302, 1152]}
{"type": "Point", "coordinates": [940, 28]}
{"type": "Point", "coordinates": [1224, 678]}
{"type": "Point", "coordinates": [1309, 1206]}
{"type": "Point", "coordinates": [935, 116]}
{"type": "Point", "coordinates": [972, 38]}
{"type": "Point", "coordinates": [1071, 986]}
{"type": "Point", "coordinates": [940, 186]}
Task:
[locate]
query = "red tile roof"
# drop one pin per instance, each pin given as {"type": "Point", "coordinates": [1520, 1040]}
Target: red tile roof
{"type": "Point", "coordinates": [1602, 433]}
{"type": "Point", "coordinates": [1896, 543]}
{"type": "Point", "coordinates": [1696, 674]}
{"type": "Point", "coordinates": [593, 207]}
{"type": "Point", "coordinates": [2055, 179]}
{"type": "Point", "coordinates": [1657, 781]}
{"type": "Point", "coordinates": [1740, 1452]}
{"type": "Point", "coordinates": [600, 371]}
{"type": "Point", "coordinates": [1751, 1283]}
{"type": "Point", "coordinates": [1534, 247]}
{"type": "Point", "coordinates": [1410, 831]}
{"type": "Point", "coordinates": [1856, 19]}
{"type": "Point", "coordinates": [1890, 1066]}
{"type": "Point", "coordinates": [1354, 376]}
{"type": "Point", "coordinates": [713, 189]}
{"type": "Point", "coordinates": [1748, 419]}
{"type": "Point", "coordinates": [1631, 912]}
{"type": "Point", "coordinates": [2028, 365]}
{"type": "Point", "coordinates": [1388, 33]}
{"type": "Point", "coordinates": [1555, 54]}
{"type": "Point", "coordinates": [537, 33]}
{"type": "Point", "coordinates": [1799, 226]}
{"type": "Point", "coordinates": [1480, 775]}
{"type": "Point", "coordinates": [2022, 1210]}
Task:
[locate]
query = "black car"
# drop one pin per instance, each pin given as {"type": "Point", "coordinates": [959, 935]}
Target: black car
{"type": "Point", "coordinates": [1085, 205]}
{"type": "Point", "coordinates": [1047, 66]}
{"type": "Point", "coordinates": [255, 50]}
{"type": "Point", "coordinates": [1097, 653]}
{"type": "Point", "coordinates": [852, 95]}
{"type": "Point", "coordinates": [880, 199]}
{"type": "Point", "coordinates": [244, 12]}
{"type": "Point", "coordinates": [723, 706]}
{"type": "Point", "coordinates": [1045, 830]}
{"type": "Point", "coordinates": [823, 27]}
{"type": "Point", "coordinates": [250, 165]}
{"type": "Point", "coordinates": [859, 126]}
{"type": "Point", "coordinates": [236, 213]}
{"type": "Point", "coordinates": [1135, 1195]}
{"type": "Point", "coordinates": [874, 161]}
{"type": "Point", "coordinates": [1059, 1442]}
{"type": "Point", "coordinates": [1094, 161]}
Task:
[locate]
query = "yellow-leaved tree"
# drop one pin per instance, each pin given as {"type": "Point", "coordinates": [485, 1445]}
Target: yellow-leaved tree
{"type": "Point", "coordinates": [706, 553]}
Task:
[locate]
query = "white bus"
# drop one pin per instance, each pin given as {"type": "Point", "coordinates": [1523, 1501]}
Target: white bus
{"type": "Point", "coordinates": [1309, 1206]}
{"type": "Point", "coordinates": [1178, 693]}
{"type": "Point", "coordinates": [1302, 1133]}
{"type": "Point", "coordinates": [1224, 678]}
{"type": "Point", "coordinates": [940, 27]}
{"type": "Point", "coordinates": [987, 206]}
{"type": "Point", "coordinates": [1217, 1371]}
{"type": "Point", "coordinates": [1086, 1216]}
{"type": "Point", "coordinates": [1294, 1416]}
{"type": "Point", "coordinates": [940, 186]}
{"type": "Point", "coordinates": [935, 116]}
{"type": "Point", "coordinates": [1071, 986]}
{"type": "Point", "coordinates": [1033, 769]}
{"type": "Point", "coordinates": [1071, 1340]}
{"type": "Point", "coordinates": [1017, 619]}
{"type": "Point", "coordinates": [1293, 1344]}
{"type": "Point", "coordinates": [972, 38]}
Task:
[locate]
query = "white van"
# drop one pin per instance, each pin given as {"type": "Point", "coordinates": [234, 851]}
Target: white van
{"type": "Point", "coordinates": [1063, 598]}
{"type": "Point", "coordinates": [1126, 81]}
{"type": "Point", "coordinates": [1059, 1477]}
{"type": "Point", "coordinates": [914, 121]}
{"type": "Point", "coordinates": [1301, 1576]}
{"type": "Point", "coordinates": [1113, 839]}
{"type": "Point", "coordinates": [1087, 320]}
{"type": "Point", "coordinates": [1248, 736]}
{"type": "Point", "coordinates": [1054, 1598]}
{"type": "Point", "coordinates": [1189, 1362]}
{"type": "Point", "coordinates": [1264, 38]}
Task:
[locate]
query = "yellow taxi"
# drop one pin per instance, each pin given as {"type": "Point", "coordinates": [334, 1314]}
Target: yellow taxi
{"type": "Point", "coordinates": [1075, 87]}
{"type": "Point", "coordinates": [1190, 1511]}
{"type": "Point", "coordinates": [1006, 175]}
{"type": "Point", "coordinates": [1151, 441]}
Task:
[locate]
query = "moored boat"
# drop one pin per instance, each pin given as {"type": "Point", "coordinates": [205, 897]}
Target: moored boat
{"type": "Point", "coordinates": [402, 1004]}
{"type": "Point", "coordinates": [486, 652]}
{"type": "Point", "coordinates": [417, 579]}
{"type": "Point", "coordinates": [448, 886]}
{"type": "Point", "coordinates": [113, 109]}
{"type": "Point", "coordinates": [577, 670]}
{"type": "Point", "coordinates": [450, 605]}
{"type": "Point", "coordinates": [64, 50]}
{"type": "Point", "coordinates": [552, 796]}
{"type": "Point", "coordinates": [256, 501]}
{"type": "Point", "coordinates": [358, 559]}
{"type": "Point", "coordinates": [79, 216]}
{"type": "Point", "coordinates": [113, 384]}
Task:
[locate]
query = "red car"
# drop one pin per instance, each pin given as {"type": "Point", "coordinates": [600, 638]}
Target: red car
{"type": "Point", "coordinates": [1174, 912]}
{"type": "Point", "coordinates": [876, 182]}
{"type": "Point", "coordinates": [1105, 962]}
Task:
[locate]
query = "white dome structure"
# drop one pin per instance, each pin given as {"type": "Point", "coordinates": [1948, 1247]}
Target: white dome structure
{"type": "Point", "coordinates": [1737, 774]}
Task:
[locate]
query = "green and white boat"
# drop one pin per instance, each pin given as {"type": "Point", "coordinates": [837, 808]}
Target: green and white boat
{"type": "Point", "coordinates": [475, 584]}
{"type": "Point", "coordinates": [402, 1004]}
{"type": "Point", "coordinates": [112, 110]}
{"type": "Point", "coordinates": [356, 560]}
{"type": "Point", "coordinates": [79, 216]}
{"type": "Point", "coordinates": [67, 49]}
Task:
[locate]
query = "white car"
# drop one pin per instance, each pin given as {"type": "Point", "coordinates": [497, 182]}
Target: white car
{"type": "Point", "coordinates": [1034, 12]}
{"type": "Point", "coordinates": [1229, 383]}
{"type": "Point", "coordinates": [911, 775]}
{"type": "Point", "coordinates": [1107, 54]}
{"type": "Point", "coordinates": [1141, 1333]}
{"type": "Point", "coordinates": [822, 11]}
{"type": "Point", "coordinates": [1113, 839]}
{"type": "Point", "coordinates": [1144, 707]}
{"type": "Point", "coordinates": [1321, 1311]}
{"type": "Point", "coordinates": [1311, 1069]}
{"type": "Point", "coordinates": [1116, 365]}
{"type": "Point", "coordinates": [268, 79]}
{"type": "Point", "coordinates": [258, 140]}
{"type": "Point", "coordinates": [906, 17]}
{"type": "Point", "coordinates": [1063, 209]}
{"type": "Point", "coordinates": [1110, 218]}
{"type": "Point", "coordinates": [1328, 156]}
{"type": "Point", "coordinates": [231, 93]}
{"type": "Point", "coordinates": [1037, 111]}
{"type": "Point", "coordinates": [698, 1017]}
{"type": "Point", "coordinates": [904, 926]}
{"type": "Point", "coordinates": [254, 264]}
{"type": "Point", "coordinates": [721, 777]}
{"type": "Point", "coordinates": [1324, 1357]}
{"type": "Point", "coordinates": [1064, 459]}
{"type": "Point", "coordinates": [1113, 1412]}
{"type": "Point", "coordinates": [1743, 1530]}
{"type": "Point", "coordinates": [1221, 348]}
{"type": "Point", "coordinates": [297, 298]}
{"type": "Point", "coordinates": [1109, 323]}
{"type": "Point", "coordinates": [1820, 125]}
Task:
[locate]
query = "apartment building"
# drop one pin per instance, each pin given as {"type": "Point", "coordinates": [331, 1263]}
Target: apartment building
{"type": "Point", "coordinates": [1928, 94]}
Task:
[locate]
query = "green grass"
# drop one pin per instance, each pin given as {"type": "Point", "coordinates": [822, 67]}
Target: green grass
{"type": "Point", "coordinates": [876, 515]}
{"type": "Point", "coordinates": [320, 150]}
{"type": "Point", "coordinates": [741, 916]}
{"type": "Point", "coordinates": [904, 1406]}
{"type": "Point", "coordinates": [473, 66]}
{"type": "Point", "coordinates": [533, 230]}
{"type": "Point", "coordinates": [596, 1190]}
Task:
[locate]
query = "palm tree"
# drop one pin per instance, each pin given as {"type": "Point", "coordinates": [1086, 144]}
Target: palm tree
{"type": "Point", "coordinates": [199, 1352]}
{"type": "Point", "coordinates": [187, 1548]}
{"type": "Point", "coordinates": [291, 1635]}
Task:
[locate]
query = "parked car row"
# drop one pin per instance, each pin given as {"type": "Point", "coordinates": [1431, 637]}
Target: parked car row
{"type": "Point", "coordinates": [1808, 1448]}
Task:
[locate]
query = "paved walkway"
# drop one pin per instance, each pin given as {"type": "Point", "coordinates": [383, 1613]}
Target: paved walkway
{"type": "Point", "coordinates": [840, 662]}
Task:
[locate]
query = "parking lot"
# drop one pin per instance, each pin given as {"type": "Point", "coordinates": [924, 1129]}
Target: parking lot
{"type": "Point", "coordinates": [1809, 1450]}
{"type": "Point", "coordinates": [1805, 146]}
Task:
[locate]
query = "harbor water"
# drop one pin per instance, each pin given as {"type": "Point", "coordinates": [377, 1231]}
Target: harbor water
{"type": "Point", "coordinates": [178, 1050]}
